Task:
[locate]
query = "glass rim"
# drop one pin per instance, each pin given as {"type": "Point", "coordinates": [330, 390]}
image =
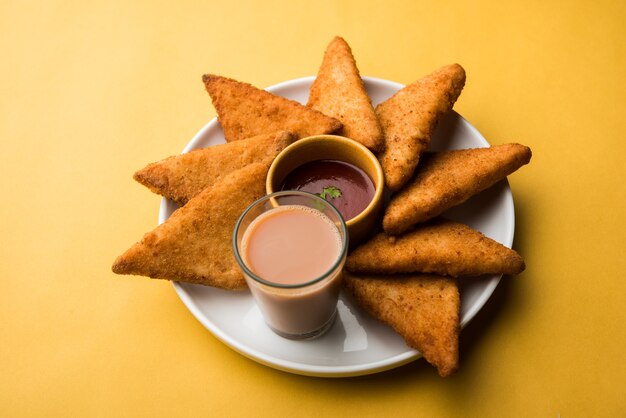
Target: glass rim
{"type": "Point", "coordinates": [249, 273]}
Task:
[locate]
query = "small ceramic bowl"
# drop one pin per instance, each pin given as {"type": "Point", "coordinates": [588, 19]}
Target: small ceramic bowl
{"type": "Point", "coordinates": [324, 147]}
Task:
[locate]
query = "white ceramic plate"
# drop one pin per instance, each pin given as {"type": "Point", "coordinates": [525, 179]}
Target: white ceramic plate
{"type": "Point", "coordinates": [357, 344]}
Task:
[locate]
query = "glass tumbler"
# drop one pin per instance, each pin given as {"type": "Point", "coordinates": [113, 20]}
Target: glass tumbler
{"type": "Point", "coordinates": [302, 304]}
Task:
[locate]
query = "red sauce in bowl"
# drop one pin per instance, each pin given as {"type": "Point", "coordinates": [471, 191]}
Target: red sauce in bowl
{"type": "Point", "coordinates": [344, 185]}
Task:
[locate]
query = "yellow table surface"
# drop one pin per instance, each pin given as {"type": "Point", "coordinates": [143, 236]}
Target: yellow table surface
{"type": "Point", "coordinates": [92, 91]}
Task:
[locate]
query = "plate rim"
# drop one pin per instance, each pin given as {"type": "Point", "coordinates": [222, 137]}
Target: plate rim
{"type": "Point", "coordinates": [317, 370]}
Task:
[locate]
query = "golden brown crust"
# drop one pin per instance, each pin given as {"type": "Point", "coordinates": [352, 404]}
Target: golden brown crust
{"type": "Point", "coordinates": [194, 244]}
{"type": "Point", "coordinates": [409, 118]}
{"type": "Point", "coordinates": [441, 247]}
{"type": "Point", "coordinates": [182, 177]}
{"type": "Point", "coordinates": [423, 309]}
{"type": "Point", "coordinates": [338, 91]}
{"type": "Point", "coordinates": [245, 111]}
{"type": "Point", "coordinates": [447, 179]}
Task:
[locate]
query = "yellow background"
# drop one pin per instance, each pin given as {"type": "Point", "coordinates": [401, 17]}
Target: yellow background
{"type": "Point", "coordinates": [92, 91]}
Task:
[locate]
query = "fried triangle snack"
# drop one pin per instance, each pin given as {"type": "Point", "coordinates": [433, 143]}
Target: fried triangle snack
{"type": "Point", "coordinates": [423, 309]}
{"type": "Point", "coordinates": [409, 117]}
{"type": "Point", "coordinates": [441, 247]}
{"type": "Point", "coordinates": [245, 111]}
{"type": "Point", "coordinates": [338, 91]}
{"type": "Point", "coordinates": [446, 179]}
{"type": "Point", "coordinates": [194, 244]}
{"type": "Point", "coordinates": [181, 177]}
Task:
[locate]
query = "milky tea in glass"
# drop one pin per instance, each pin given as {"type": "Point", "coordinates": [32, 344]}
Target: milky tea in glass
{"type": "Point", "coordinates": [292, 247]}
